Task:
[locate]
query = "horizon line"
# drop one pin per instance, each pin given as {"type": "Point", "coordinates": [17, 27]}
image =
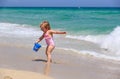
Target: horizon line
{"type": "Point", "coordinates": [56, 7]}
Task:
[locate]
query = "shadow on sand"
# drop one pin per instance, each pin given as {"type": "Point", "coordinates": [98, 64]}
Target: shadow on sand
{"type": "Point", "coordinates": [42, 60]}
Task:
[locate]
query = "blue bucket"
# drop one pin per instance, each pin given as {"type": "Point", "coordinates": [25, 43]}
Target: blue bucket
{"type": "Point", "coordinates": [36, 47]}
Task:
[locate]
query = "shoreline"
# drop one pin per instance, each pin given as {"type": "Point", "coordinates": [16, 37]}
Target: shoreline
{"type": "Point", "coordinates": [66, 65]}
{"type": "Point", "coordinates": [91, 49]}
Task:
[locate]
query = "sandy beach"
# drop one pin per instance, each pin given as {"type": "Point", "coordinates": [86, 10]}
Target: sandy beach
{"type": "Point", "coordinates": [21, 63]}
{"type": "Point", "coordinates": [17, 74]}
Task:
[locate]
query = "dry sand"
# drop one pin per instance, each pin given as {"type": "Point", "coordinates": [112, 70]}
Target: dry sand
{"type": "Point", "coordinates": [17, 74]}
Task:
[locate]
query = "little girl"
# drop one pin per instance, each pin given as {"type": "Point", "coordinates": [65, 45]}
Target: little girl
{"type": "Point", "coordinates": [48, 35]}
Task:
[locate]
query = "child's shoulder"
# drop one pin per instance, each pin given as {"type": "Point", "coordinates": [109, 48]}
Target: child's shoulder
{"type": "Point", "coordinates": [50, 31]}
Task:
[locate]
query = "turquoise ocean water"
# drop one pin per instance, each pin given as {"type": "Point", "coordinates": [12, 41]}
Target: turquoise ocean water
{"type": "Point", "coordinates": [94, 31]}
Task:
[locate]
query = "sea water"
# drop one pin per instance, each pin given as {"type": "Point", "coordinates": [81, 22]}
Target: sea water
{"type": "Point", "coordinates": [93, 31]}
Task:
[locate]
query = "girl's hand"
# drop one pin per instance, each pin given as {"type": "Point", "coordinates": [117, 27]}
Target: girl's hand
{"type": "Point", "coordinates": [65, 32]}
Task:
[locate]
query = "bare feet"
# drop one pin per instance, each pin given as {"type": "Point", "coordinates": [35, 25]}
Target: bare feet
{"type": "Point", "coordinates": [48, 62]}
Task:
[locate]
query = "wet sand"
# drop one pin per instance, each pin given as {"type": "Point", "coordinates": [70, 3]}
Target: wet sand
{"type": "Point", "coordinates": [66, 64]}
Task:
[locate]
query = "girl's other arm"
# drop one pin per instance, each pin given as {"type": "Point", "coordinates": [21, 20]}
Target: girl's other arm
{"type": "Point", "coordinates": [40, 39]}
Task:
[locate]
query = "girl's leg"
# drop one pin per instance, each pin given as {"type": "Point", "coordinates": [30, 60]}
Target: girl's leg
{"type": "Point", "coordinates": [49, 50]}
{"type": "Point", "coordinates": [46, 51]}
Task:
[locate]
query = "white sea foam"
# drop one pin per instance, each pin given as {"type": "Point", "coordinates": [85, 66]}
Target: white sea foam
{"type": "Point", "coordinates": [111, 41]}
{"type": "Point", "coordinates": [98, 55]}
{"type": "Point", "coordinates": [17, 30]}
{"type": "Point", "coordinates": [94, 54]}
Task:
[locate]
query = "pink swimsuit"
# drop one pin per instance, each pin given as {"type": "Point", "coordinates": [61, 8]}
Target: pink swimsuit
{"type": "Point", "coordinates": [49, 40]}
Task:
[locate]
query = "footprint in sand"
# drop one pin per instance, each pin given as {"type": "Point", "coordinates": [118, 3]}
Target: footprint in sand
{"type": "Point", "coordinates": [7, 77]}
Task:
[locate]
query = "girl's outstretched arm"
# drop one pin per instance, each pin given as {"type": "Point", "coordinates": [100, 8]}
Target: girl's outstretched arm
{"type": "Point", "coordinates": [57, 32]}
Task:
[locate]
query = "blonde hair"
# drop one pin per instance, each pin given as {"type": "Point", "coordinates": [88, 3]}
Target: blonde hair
{"type": "Point", "coordinates": [45, 24]}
